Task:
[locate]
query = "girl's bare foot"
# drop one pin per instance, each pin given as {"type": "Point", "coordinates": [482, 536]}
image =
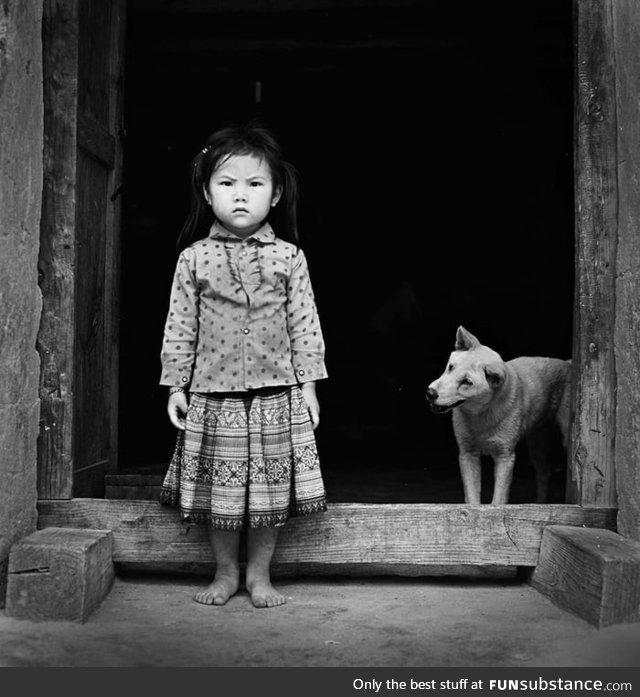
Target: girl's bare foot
{"type": "Point", "coordinates": [261, 543]}
{"type": "Point", "coordinates": [225, 582]}
{"type": "Point", "coordinates": [219, 591]}
{"type": "Point", "coordinates": [263, 594]}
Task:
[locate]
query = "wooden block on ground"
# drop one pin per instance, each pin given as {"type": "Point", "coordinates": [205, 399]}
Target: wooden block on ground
{"type": "Point", "coordinates": [595, 573]}
{"type": "Point", "coordinates": [59, 574]}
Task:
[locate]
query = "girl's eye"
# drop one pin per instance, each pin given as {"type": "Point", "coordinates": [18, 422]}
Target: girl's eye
{"type": "Point", "coordinates": [256, 183]}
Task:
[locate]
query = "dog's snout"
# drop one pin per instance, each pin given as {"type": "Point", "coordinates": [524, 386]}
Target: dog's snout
{"type": "Point", "coordinates": [432, 394]}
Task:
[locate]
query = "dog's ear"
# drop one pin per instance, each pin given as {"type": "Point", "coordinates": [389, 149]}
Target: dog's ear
{"type": "Point", "coordinates": [465, 341]}
{"type": "Point", "coordinates": [495, 374]}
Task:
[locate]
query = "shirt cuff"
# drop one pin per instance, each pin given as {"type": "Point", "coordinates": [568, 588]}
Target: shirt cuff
{"type": "Point", "coordinates": [307, 370]}
{"type": "Point", "coordinates": [178, 377]}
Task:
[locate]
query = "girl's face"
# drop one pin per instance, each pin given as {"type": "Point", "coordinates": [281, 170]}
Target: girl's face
{"type": "Point", "coordinates": [241, 192]}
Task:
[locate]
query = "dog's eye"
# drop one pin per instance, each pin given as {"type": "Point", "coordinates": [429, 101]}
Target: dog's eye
{"type": "Point", "coordinates": [450, 367]}
{"type": "Point", "coordinates": [465, 381]}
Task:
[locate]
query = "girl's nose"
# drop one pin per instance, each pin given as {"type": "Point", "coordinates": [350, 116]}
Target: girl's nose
{"type": "Point", "coordinates": [240, 195]}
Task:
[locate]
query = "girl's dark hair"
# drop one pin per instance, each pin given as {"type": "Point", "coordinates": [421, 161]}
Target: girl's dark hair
{"type": "Point", "coordinates": [249, 139]}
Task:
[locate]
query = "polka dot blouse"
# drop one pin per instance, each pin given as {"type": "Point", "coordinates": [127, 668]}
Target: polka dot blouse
{"type": "Point", "coordinates": [241, 316]}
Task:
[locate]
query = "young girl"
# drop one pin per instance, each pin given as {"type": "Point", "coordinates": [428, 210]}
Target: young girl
{"type": "Point", "coordinates": [241, 353]}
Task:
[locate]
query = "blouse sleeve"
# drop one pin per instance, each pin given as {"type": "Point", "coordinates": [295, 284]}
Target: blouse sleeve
{"type": "Point", "coordinates": [181, 327]}
{"type": "Point", "coordinates": [303, 323]}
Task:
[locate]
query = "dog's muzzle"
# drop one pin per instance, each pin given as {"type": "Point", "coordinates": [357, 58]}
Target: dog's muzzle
{"type": "Point", "coordinates": [432, 396]}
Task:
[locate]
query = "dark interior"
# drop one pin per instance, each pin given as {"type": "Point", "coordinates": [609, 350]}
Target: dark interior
{"type": "Point", "coordinates": [434, 143]}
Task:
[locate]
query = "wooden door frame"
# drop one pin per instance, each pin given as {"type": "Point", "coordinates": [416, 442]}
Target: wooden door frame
{"type": "Point", "coordinates": [66, 131]}
{"type": "Point", "coordinates": [602, 419]}
{"type": "Point", "coordinates": [591, 460]}
{"type": "Point", "coordinates": [605, 436]}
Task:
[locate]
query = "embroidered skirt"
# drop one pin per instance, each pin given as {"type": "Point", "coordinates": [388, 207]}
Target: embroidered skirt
{"type": "Point", "coordinates": [245, 459]}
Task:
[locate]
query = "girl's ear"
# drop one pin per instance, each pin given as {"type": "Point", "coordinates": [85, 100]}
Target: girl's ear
{"type": "Point", "coordinates": [276, 196]}
{"type": "Point", "coordinates": [206, 194]}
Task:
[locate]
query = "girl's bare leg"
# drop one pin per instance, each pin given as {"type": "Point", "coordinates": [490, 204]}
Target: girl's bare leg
{"type": "Point", "coordinates": [261, 543]}
{"type": "Point", "coordinates": [225, 547]}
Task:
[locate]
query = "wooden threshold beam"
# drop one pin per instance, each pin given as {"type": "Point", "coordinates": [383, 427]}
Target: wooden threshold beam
{"type": "Point", "coordinates": [384, 538]}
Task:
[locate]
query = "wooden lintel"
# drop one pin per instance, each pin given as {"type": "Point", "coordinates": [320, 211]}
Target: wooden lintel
{"type": "Point", "coordinates": [376, 536]}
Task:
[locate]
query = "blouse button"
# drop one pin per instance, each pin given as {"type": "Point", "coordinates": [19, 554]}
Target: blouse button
{"type": "Point", "coordinates": [245, 330]}
{"type": "Point", "coordinates": [301, 372]}
{"type": "Point", "coordinates": [185, 379]}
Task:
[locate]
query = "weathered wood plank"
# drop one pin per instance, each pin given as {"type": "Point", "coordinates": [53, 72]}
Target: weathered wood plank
{"type": "Point", "coordinates": [594, 573]}
{"type": "Point", "coordinates": [131, 492]}
{"type": "Point", "coordinates": [80, 245]}
{"type": "Point", "coordinates": [96, 140]}
{"type": "Point", "coordinates": [353, 570]}
{"type": "Point", "coordinates": [139, 487]}
{"type": "Point", "coordinates": [91, 427]}
{"type": "Point", "coordinates": [592, 451]}
{"type": "Point", "coordinates": [57, 261]}
{"type": "Point", "coordinates": [113, 248]}
{"type": "Point", "coordinates": [98, 243]}
{"type": "Point", "coordinates": [627, 320]}
{"type": "Point", "coordinates": [348, 535]}
{"type": "Point", "coordinates": [134, 479]}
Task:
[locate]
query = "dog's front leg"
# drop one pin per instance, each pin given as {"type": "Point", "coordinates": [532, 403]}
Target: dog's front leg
{"type": "Point", "coordinates": [471, 476]}
{"type": "Point", "coordinates": [502, 475]}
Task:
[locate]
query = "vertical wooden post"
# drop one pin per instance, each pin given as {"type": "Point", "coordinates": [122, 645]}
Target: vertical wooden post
{"type": "Point", "coordinates": [593, 434]}
{"type": "Point", "coordinates": [99, 158]}
{"type": "Point", "coordinates": [83, 46]}
{"type": "Point", "coordinates": [114, 223]}
{"type": "Point", "coordinates": [57, 264]}
{"type": "Point", "coordinates": [626, 21]}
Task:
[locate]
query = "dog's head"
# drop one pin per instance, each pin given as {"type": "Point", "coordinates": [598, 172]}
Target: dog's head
{"type": "Point", "coordinates": [472, 375]}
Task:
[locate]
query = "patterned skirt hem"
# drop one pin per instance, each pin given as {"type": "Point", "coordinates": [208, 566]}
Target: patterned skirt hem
{"type": "Point", "coordinates": [272, 520]}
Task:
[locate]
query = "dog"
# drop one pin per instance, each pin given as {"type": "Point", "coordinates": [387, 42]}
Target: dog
{"type": "Point", "coordinates": [495, 405]}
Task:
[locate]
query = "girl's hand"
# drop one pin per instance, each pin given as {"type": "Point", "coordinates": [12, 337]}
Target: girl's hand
{"type": "Point", "coordinates": [177, 409]}
{"type": "Point", "coordinates": [309, 394]}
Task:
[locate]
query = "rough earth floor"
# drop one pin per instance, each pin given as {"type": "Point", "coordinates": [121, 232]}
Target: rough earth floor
{"type": "Point", "coordinates": [152, 621]}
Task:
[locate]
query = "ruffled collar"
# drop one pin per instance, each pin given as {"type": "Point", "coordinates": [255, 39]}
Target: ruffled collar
{"type": "Point", "coordinates": [264, 235]}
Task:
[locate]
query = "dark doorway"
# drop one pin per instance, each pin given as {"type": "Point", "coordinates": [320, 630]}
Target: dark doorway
{"type": "Point", "coordinates": [435, 149]}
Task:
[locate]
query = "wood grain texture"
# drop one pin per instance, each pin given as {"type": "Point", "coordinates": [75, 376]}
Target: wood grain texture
{"type": "Point", "coordinates": [96, 140]}
{"type": "Point", "coordinates": [139, 487]}
{"type": "Point", "coordinates": [627, 319]}
{"type": "Point", "coordinates": [594, 573]}
{"type": "Point", "coordinates": [83, 47]}
{"type": "Point", "coordinates": [99, 158]}
{"type": "Point", "coordinates": [593, 429]}
{"type": "Point", "coordinates": [356, 536]}
{"type": "Point", "coordinates": [91, 427]}
{"type": "Point", "coordinates": [60, 574]}
{"type": "Point", "coordinates": [113, 245]}
{"type": "Point", "coordinates": [57, 260]}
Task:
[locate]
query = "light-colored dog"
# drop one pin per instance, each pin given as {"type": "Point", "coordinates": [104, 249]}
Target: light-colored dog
{"type": "Point", "coordinates": [496, 404]}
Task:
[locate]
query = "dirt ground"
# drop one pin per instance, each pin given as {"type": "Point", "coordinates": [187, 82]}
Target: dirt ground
{"type": "Point", "coordinates": [400, 622]}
